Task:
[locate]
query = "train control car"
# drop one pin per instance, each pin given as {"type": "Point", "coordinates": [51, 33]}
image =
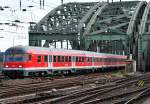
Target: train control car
{"type": "Point", "coordinates": [1, 60]}
{"type": "Point", "coordinates": [29, 61]}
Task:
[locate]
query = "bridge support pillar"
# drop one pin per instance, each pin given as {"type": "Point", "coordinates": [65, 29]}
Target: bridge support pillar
{"type": "Point", "coordinates": [130, 66]}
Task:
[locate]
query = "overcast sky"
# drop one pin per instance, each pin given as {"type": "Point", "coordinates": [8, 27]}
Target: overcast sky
{"type": "Point", "coordinates": [12, 33]}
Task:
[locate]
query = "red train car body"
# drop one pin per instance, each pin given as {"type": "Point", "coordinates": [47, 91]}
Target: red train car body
{"type": "Point", "coordinates": [28, 61]}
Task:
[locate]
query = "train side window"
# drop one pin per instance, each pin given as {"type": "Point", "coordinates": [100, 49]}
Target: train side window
{"type": "Point", "coordinates": [76, 58]}
{"type": "Point", "coordinates": [69, 58]}
{"type": "Point", "coordinates": [66, 58]}
{"type": "Point", "coordinates": [39, 59]}
{"type": "Point", "coordinates": [106, 59]}
{"type": "Point", "coordinates": [58, 58]}
{"type": "Point", "coordinates": [45, 58]}
{"type": "Point", "coordinates": [103, 60]}
{"type": "Point", "coordinates": [29, 57]}
{"type": "Point", "coordinates": [100, 59]}
{"type": "Point", "coordinates": [82, 59]}
{"type": "Point", "coordinates": [113, 60]}
{"type": "Point", "coordinates": [109, 59]}
{"type": "Point", "coordinates": [54, 58]}
{"type": "Point", "coordinates": [63, 58]}
{"type": "Point", "coordinates": [96, 59]}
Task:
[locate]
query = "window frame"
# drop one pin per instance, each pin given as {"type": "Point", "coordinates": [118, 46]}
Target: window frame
{"type": "Point", "coordinates": [39, 58]}
{"type": "Point", "coordinates": [45, 58]}
{"type": "Point", "coordinates": [66, 58]}
{"type": "Point", "coordinates": [54, 58]}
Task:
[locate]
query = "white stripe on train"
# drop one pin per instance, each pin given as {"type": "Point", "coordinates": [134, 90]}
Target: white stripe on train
{"type": "Point", "coordinates": [64, 68]}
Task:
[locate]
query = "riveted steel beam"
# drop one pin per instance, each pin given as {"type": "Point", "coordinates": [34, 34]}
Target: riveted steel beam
{"type": "Point", "coordinates": [143, 41]}
{"type": "Point", "coordinates": [93, 19]}
{"type": "Point", "coordinates": [53, 36]}
{"type": "Point", "coordinates": [107, 29]}
{"type": "Point", "coordinates": [106, 37]}
{"type": "Point", "coordinates": [62, 20]}
{"type": "Point", "coordinates": [88, 16]}
{"type": "Point", "coordinates": [134, 17]}
{"type": "Point", "coordinates": [133, 29]}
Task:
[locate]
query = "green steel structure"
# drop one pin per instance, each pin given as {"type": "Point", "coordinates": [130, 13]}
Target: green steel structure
{"type": "Point", "coordinates": [109, 27]}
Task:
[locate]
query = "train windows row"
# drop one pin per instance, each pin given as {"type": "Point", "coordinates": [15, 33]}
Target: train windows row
{"type": "Point", "coordinates": [68, 59]}
{"type": "Point", "coordinates": [107, 60]}
{"type": "Point", "coordinates": [83, 59]}
{"type": "Point", "coordinates": [61, 58]}
{"type": "Point", "coordinates": [75, 58]}
{"type": "Point", "coordinates": [39, 58]}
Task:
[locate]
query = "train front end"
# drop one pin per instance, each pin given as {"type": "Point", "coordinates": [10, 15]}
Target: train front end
{"type": "Point", "coordinates": [1, 61]}
{"type": "Point", "coordinates": [14, 62]}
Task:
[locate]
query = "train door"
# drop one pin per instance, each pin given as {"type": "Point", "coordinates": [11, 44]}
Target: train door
{"type": "Point", "coordinates": [92, 61]}
{"type": "Point", "coordinates": [50, 63]}
{"type": "Point", "coordinates": [73, 63]}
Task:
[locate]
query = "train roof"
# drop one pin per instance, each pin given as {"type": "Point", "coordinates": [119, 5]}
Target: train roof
{"type": "Point", "coordinates": [25, 49]}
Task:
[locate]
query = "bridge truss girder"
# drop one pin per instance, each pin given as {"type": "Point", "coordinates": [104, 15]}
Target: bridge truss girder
{"type": "Point", "coordinates": [109, 24]}
{"type": "Point", "coordinates": [118, 27]}
{"type": "Point", "coordinates": [144, 40]}
{"type": "Point", "coordinates": [61, 22]}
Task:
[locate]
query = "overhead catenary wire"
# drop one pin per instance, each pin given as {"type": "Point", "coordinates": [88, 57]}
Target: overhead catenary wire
{"type": "Point", "coordinates": [16, 13]}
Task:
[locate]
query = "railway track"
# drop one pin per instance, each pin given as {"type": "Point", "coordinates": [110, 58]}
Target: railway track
{"type": "Point", "coordinates": [86, 95]}
{"type": "Point", "coordinates": [139, 97]}
{"type": "Point", "coordinates": [8, 91]}
{"type": "Point", "coordinates": [105, 92]}
{"type": "Point", "coordinates": [91, 96]}
{"type": "Point", "coordinates": [23, 89]}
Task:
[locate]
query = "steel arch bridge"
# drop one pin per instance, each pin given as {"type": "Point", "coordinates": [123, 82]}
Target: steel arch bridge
{"type": "Point", "coordinates": [117, 27]}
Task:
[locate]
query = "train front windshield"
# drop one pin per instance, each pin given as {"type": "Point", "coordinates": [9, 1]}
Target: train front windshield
{"type": "Point", "coordinates": [14, 55]}
{"type": "Point", "coordinates": [1, 57]}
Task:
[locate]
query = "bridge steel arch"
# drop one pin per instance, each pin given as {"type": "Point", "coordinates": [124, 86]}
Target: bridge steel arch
{"type": "Point", "coordinates": [144, 41]}
{"type": "Point", "coordinates": [118, 28]}
{"type": "Point", "coordinates": [107, 29]}
{"type": "Point", "coordinates": [59, 24]}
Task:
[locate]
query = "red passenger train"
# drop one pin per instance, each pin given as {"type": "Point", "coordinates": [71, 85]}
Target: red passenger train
{"type": "Point", "coordinates": [29, 61]}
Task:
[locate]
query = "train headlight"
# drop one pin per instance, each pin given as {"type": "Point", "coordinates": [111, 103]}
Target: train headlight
{"type": "Point", "coordinates": [6, 66]}
{"type": "Point", "coordinates": [20, 66]}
